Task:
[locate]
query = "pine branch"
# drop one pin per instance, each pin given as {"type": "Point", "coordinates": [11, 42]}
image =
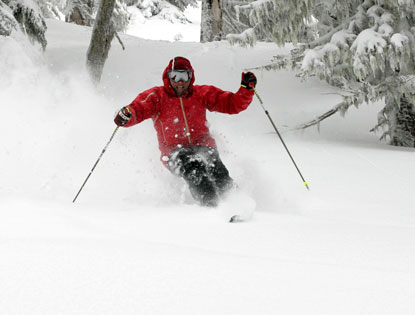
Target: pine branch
{"type": "Point", "coordinates": [283, 61]}
{"type": "Point", "coordinates": [256, 3]}
{"type": "Point", "coordinates": [234, 25]}
{"type": "Point", "coordinates": [271, 66]}
{"type": "Point", "coordinates": [327, 37]}
{"type": "Point", "coordinates": [341, 106]}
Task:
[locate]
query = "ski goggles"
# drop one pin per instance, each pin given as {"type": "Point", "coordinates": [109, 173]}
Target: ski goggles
{"type": "Point", "coordinates": [180, 75]}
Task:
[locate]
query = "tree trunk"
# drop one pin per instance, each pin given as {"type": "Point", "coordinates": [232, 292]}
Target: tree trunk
{"type": "Point", "coordinates": [102, 35]}
{"type": "Point", "coordinates": [211, 23]}
{"type": "Point", "coordinates": [402, 124]}
{"type": "Point", "coordinates": [77, 17]}
{"type": "Point", "coordinates": [80, 12]}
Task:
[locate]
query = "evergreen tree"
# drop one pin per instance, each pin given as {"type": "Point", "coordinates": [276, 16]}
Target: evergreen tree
{"type": "Point", "coordinates": [232, 23]}
{"type": "Point", "coordinates": [7, 21]}
{"type": "Point", "coordinates": [83, 12]}
{"type": "Point", "coordinates": [220, 18]}
{"type": "Point", "coordinates": [365, 48]}
{"type": "Point", "coordinates": [27, 15]}
{"type": "Point", "coordinates": [211, 22]}
{"type": "Point", "coordinates": [52, 8]}
{"type": "Point", "coordinates": [276, 20]}
{"type": "Point", "coordinates": [182, 4]}
{"type": "Point", "coordinates": [121, 16]}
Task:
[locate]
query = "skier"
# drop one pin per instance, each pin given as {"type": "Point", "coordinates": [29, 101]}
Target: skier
{"type": "Point", "coordinates": [178, 110]}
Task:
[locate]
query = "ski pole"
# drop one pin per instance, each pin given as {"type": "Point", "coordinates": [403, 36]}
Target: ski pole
{"type": "Point", "coordinates": [96, 163]}
{"type": "Point", "coordinates": [305, 183]}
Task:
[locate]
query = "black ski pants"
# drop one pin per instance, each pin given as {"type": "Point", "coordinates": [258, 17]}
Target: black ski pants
{"type": "Point", "coordinates": [204, 172]}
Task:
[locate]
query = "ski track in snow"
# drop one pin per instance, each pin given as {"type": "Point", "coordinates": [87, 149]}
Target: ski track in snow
{"type": "Point", "coordinates": [135, 243]}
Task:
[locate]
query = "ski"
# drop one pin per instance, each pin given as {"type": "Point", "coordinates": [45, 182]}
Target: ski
{"type": "Point", "coordinates": [237, 207]}
{"type": "Point", "coordinates": [236, 218]}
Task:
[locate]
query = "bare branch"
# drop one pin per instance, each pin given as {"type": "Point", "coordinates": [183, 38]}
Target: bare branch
{"type": "Point", "coordinates": [120, 41]}
{"type": "Point", "coordinates": [319, 119]}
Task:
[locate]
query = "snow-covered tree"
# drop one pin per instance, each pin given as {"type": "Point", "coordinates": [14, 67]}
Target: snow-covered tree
{"type": "Point", "coordinates": [121, 16]}
{"type": "Point", "coordinates": [365, 48]}
{"type": "Point", "coordinates": [52, 8]}
{"type": "Point", "coordinates": [232, 23]}
{"type": "Point", "coordinates": [182, 4]}
{"type": "Point", "coordinates": [220, 18]}
{"type": "Point", "coordinates": [154, 7]}
{"type": "Point", "coordinates": [7, 21]}
{"type": "Point", "coordinates": [276, 20]}
{"type": "Point", "coordinates": [27, 15]}
{"type": "Point", "coordinates": [246, 21]}
{"type": "Point", "coordinates": [83, 12]}
{"type": "Point", "coordinates": [211, 22]}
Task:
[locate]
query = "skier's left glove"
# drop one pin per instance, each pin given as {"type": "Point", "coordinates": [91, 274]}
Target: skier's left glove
{"type": "Point", "coordinates": [123, 116]}
{"type": "Point", "coordinates": [248, 80]}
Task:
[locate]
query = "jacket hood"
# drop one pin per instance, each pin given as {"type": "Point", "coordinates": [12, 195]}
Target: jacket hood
{"type": "Point", "coordinates": [175, 64]}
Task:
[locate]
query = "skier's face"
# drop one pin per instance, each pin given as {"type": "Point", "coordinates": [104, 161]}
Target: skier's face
{"type": "Point", "coordinates": [180, 87]}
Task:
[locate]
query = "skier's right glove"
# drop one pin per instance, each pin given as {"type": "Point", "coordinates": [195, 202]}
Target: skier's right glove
{"type": "Point", "coordinates": [123, 116]}
{"type": "Point", "coordinates": [248, 80]}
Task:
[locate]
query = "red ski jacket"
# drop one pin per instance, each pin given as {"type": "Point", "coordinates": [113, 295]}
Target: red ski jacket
{"type": "Point", "coordinates": [181, 121]}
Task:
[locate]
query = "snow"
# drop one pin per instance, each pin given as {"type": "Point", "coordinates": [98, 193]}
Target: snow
{"type": "Point", "coordinates": [399, 40]}
{"type": "Point", "coordinates": [135, 243]}
{"type": "Point", "coordinates": [169, 24]}
{"type": "Point", "coordinates": [342, 38]}
{"type": "Point", "coordinates": [368, 41]}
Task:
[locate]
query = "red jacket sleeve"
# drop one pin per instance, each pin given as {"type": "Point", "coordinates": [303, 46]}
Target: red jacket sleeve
{"type": "Point", "coordinates": [144, 106]}
{"type": "Point", "coordinates": [221, 101]}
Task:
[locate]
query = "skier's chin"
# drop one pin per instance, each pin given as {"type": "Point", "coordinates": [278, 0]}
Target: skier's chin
{"type": "Point", "coordinates": [180, 91]}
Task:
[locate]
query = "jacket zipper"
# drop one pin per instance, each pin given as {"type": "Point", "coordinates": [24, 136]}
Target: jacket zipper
{"type": "Point", "coordinates": [162, 127]}
{"type": "Point", "coordinates": [185, 121]}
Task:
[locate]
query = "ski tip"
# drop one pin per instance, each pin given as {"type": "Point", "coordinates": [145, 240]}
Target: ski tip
{"type": "Point", "coordinates": [235, 218]}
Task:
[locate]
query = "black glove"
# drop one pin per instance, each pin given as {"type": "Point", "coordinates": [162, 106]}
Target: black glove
{"type": "Point", "coordinates": [248, 80]}
{"type": "Point", "coordinates": [123, 116]}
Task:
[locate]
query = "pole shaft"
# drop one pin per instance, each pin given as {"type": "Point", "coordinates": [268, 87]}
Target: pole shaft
{"type": "Point", "coordinates": [282, 141]}
{"type": "Point", "coordinates": [96, 163]}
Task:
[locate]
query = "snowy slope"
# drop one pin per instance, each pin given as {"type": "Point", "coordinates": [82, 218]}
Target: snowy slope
{"type": "Point", "coordinates": [134, 243]}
